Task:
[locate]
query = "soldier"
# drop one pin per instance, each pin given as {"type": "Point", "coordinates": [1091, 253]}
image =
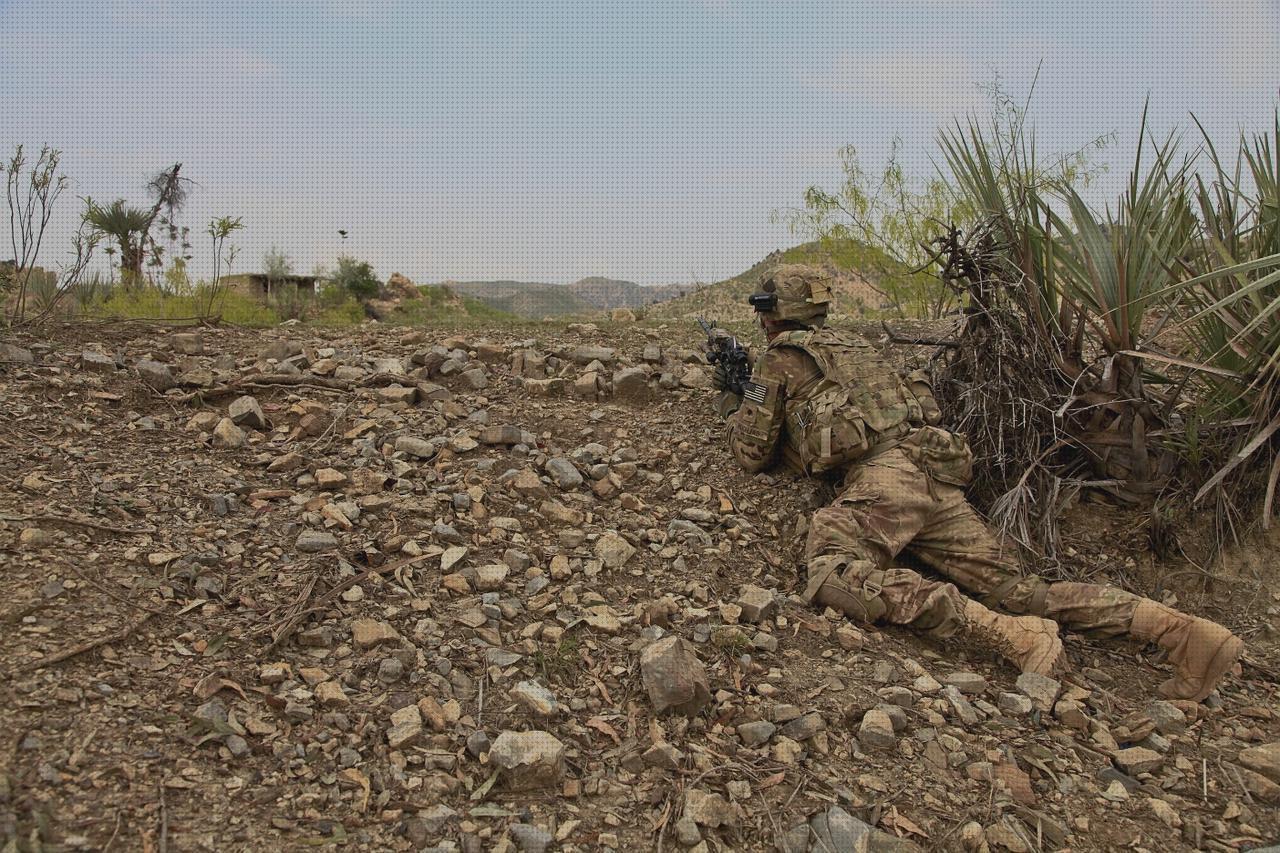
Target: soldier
{"type": "Point", "coordinates": [822, 400]}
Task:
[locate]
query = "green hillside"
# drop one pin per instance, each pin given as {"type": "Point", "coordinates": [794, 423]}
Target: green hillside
{"type": "Point", "coordinates": [856, 293]}
{"type": "Point", "coordinates": [440, 305]}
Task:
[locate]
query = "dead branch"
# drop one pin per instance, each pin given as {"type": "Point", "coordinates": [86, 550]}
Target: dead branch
{"type": "Point", "coordinates": [894, 338]}
{"type": "Point", "coordinates": [74, 651]}
{"type": "Point", "coordinates": [78, 522]}
{"type": "Point", "coordinates": [300, 604]}
{"type": "Point", "coordinates": [268, 380]}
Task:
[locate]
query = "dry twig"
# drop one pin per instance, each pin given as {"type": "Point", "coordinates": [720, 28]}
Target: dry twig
{"type": "Point", "coordinates": [67, 654]}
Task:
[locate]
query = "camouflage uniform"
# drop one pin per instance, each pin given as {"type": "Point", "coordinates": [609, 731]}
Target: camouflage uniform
{"type": "Point", "coordinates": [890, 503]}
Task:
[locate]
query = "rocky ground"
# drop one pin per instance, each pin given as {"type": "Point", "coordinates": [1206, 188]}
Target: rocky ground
{"type": "Point", "coordinates": [393, 589]}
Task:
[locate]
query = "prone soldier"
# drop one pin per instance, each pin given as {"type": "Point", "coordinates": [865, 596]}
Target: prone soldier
{"type": "Point", "coordinates": [823, 400]}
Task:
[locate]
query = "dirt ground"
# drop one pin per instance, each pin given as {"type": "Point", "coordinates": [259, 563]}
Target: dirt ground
{"type": "Point", "coordinates": [323, 619]}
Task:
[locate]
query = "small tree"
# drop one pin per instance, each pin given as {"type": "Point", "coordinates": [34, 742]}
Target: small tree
{"type": "Point", "coordinates": [356, 278]}
{"type": "Point", "coordinates": [276, 266]}
{"type": "Point", "coordinates": [220, 230]}
{"type": "Point", "coordinates": [127, 227]}
{"type": "Point", "coordinates": [31, 196]}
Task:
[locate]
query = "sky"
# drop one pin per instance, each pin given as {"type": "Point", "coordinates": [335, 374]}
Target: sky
{"type": "Point", "coordinates": [648, 140]}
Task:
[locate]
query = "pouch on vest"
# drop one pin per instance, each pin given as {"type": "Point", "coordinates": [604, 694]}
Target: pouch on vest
{"type": "Point", "coordinates": [943, 455]}
{"type": "Point", "coordinates": [856, 403]}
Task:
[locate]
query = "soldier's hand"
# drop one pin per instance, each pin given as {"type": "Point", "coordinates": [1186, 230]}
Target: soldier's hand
{"type": "Point", "coordinates": [727, 403]}
{"type": "Point", "coordinates": [720, 377]}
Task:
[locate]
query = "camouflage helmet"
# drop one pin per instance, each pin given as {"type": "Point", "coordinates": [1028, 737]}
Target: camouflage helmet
{"type": "Point", "coordinates": [802, 294]}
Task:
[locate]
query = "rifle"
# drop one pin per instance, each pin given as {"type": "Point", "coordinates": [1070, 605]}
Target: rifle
{"type": "Point", "coordinates": [723, 350]}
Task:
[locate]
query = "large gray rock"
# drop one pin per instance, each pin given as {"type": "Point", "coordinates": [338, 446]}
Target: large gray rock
{"type": "Point", "coordinates": [674, 677]}
{"type": "Point", "coordinates": [707, 809]}
{"type": "Point", "coordinates": [631, 384]}
{"type": "Point", "coordinates": [756, 602]}
{"type": "Point", "coordinates": [155, 375]}
{"type": "Point", "coordinates": [419, 448]}
{"type": "Point", "coordinates": [406, 728]}
{"type": "Point", "coordinates": [613, 550]}
{"type": "Point", "coordinates": [227, 434]}
{"type": "Point", "coordinates": [315, 541]}
{"type": "Point", "coordinates": [245, 411]}
{"type": "Point", "coordinates": [876, 730]}
{"type": "Point", "coordinates": [506, 434]}
{"type": "Point", "coordinates": [756, 733]}
{"type": "Point", "coordinates": [528, 760]}
{"type": "Point", "coordinates": [837, 830]}
{"type": "Point", "coordinates": [563, 472]}
{"type": "Point", "coordinates": [96, 362]}
{"type": "Point", "coordinates": [1264, 759]}
{"type": "Point", "coordinates": [1137, 759]}
{"type": "Point", "coordinates": [586, 354]}
{"type": "Point", "coordinates": [1042, 690]}
{"type": "Point", "coordinates": [16, 354]}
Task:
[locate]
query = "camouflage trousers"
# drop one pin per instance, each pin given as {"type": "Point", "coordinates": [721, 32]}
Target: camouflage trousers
{"type": "Point", "coordinates": [888, 506]}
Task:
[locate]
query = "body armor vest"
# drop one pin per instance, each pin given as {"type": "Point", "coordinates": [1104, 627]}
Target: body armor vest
{"type": "Point", "coordinates": [857, 403]}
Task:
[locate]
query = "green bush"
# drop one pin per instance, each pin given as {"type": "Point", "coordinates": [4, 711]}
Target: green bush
{"type": "Point", "coordinates": [347, 312]}
{"type": "Point", "coordinates": [356, 278]}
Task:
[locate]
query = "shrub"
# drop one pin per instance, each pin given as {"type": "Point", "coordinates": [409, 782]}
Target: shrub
{"type": "Point", "coordinates": [356, 278]}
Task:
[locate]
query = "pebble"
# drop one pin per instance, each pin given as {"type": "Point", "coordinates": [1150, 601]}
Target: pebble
{"type": "Point", "coordinates": [536, 698]}
{"type": "Point", "coordinates": [530, 838]}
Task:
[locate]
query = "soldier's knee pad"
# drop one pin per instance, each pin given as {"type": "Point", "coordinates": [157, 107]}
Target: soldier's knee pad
{"type": "Point", "coordinates": [848, 585]}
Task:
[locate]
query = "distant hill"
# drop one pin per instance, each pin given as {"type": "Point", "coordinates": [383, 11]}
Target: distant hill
{"type": "Point", "coordinates": [610, 293]}
{"type": "Point", "coordinates": [537, 299]}
{"type": "Point", "coordinates": [856, 266]}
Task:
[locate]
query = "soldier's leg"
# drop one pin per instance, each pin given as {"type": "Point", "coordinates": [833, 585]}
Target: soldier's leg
{"type": "Point", "coordinates": [882, 507]}
{"type": "Point", "coordinates": [957, 543]}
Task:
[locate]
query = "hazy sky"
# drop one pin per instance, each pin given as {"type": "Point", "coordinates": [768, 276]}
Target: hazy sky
{"type": "Point", "coordinates": [646, 140]}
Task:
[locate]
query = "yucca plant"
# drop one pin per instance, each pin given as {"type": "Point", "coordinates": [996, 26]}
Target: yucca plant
{"type": "Point", "coordinates": [1234, 294]}
{"type": "Point", "coordinates": [1117, 267]}
{"type": "Point", "coordinates": [1017, 352]}
{"type": "Point", "coordinates": [1051, 373]}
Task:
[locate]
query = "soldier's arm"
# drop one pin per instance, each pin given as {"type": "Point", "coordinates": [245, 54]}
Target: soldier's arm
{"type": "Point", "coordinates": [755, 429]}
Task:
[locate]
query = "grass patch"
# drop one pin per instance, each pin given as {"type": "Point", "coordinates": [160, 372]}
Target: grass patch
{"type": "Point", "coordinates": [560, 664]}
{"type": "Point", "coordinates": [348, 312]}
{"type": "Point", "coordinates": [152, 304]}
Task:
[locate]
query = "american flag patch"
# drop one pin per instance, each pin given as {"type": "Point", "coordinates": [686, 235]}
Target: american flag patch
{"type": "Point", "coordinates": [755, 392]}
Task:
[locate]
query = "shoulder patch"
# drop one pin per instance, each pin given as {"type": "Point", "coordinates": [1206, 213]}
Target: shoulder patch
{"type": "Point", "coordinates": [755, 392]}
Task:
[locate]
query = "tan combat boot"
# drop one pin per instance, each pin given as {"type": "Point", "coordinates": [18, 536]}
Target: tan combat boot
{"type": "Point", "coordinates": [1201, 651]}
{"type": "Point", "coordinates": [1030, 643]}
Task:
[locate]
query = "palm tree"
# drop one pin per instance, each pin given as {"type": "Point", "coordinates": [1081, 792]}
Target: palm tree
{"type": "Point", "coordinates": [128, 226]}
